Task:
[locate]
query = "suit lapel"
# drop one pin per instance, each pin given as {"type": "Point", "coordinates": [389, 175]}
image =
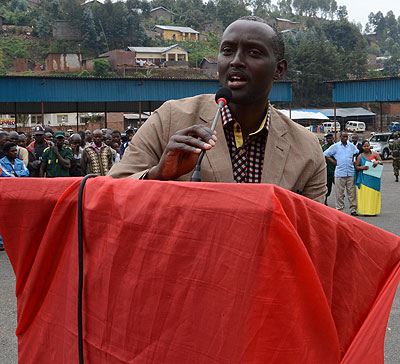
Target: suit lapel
{"type": "Point", "coordinates": [218, 158]}
{"type": "Point", "coordinates": [276, 151]}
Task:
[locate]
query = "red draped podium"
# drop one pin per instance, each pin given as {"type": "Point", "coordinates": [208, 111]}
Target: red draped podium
{"type": "Point", "coordinates": [195, 273]}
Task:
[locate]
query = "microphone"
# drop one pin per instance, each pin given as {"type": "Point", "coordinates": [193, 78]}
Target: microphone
{"type": "Point", "coordinates": [222, 98]}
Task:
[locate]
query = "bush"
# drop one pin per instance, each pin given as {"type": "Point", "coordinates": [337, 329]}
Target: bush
{"type": "Point", "coordinates": [101, 68]}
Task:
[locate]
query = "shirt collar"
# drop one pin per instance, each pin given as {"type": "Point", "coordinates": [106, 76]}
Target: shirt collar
{"type": "Point", "coordinates": [228, 118]}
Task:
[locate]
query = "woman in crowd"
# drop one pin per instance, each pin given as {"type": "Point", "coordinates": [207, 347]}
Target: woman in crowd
{"type": "Point", "coordinates": [368, 187]}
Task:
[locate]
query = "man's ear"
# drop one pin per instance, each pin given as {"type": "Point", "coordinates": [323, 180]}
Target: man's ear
{"type": "Point", "coordinates": [280, 69]}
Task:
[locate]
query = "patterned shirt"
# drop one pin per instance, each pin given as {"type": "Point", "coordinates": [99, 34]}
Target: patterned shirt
{"type": "Point", "coordinates": [247, 156]}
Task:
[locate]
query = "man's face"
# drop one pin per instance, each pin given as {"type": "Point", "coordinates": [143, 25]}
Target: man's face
{"type": "Point", "coordinates": [60, 141]}
{"type": "Point", "coordinates": [49, 136]}
{"type": "Point", "coordinates": [22, 140]}
{"type": "Point", "coordinates": [329, 140]}
{"type": "Point", "coordinates": [344, 137]}
{"type": "Point", "coordinates": [14, 137]}
{"type": "Point", "coordinates": [108, 139]}
{"type": "Point", "coordinates": [246, 61]}
{"type": "Point", "coordinates": [75, 142]}
{"type": "Point", "coordinates": [98, 138]}
{"type": "Point", "coordinates": [12, 153]}
{"type": "Point", "coordinates": [4, 140]}
{"type": "Point", "coordinates": [116, 137]}
{"type": "Point", "coordinates": [39, 137]}
{"type": "Point", "coordinates": [354, 139]}
{"type": "Point", "coordinates": [130, 134]}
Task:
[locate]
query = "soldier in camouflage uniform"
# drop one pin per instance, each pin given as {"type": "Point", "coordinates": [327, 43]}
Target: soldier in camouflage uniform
{"type": "Point", "coordinates": [395, 147]}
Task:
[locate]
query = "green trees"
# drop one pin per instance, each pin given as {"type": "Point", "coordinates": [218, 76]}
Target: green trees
{"type": "Point", "coordinates": [101, 68]}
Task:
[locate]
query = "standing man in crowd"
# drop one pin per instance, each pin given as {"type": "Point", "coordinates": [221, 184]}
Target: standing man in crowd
{"type": "Point", "coordinates": [88, 137]}
{"type": "Point", "coordinates": [22, 142]}
{"type": "Point", "coordinates": [341, 154]}
{"type": "Point", "coordinates": [395, 147]}
{"type": "Point", "coordinates": [77, 150]}
{"type": "Point", "coordinates": [56, 160]}
{"type": "Point", "coordinates": [22, 153]}
{"type": "Point", "coordinates": [330, 167]}
{"type": "Point", "coordinates": [130, 132]}
{"type": "Point", "coordinates": [256, 143]}
{"type": "Point", "coordinates": [97, 157]}
{"type": "Point", "coordinates": [36, 149]}
{"type": "Point", "coordinates": [354, 140]}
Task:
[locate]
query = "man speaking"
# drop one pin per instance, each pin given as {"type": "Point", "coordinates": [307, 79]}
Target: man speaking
{"type": "Point", "coordinates": [252, 141]}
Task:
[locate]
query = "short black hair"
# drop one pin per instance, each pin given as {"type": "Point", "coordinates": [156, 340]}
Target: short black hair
{"type": "Point", "coordinates": [116, 132]}
{"type": "Point", "coordinates": [3, 134]}
{"type": "Point", "coordinates": [278, 44]}
{"type": "Point", "coordinates": [8, 145]}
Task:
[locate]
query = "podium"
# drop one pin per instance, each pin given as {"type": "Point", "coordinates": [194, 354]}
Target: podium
{"type": "Point", "coordinates": [179, 273]}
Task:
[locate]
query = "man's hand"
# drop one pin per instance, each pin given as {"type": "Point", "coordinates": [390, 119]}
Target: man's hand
{"type": "Point", "coordinates": [36, 164]}
{"type": "Point", "coordinates": [182, 151]}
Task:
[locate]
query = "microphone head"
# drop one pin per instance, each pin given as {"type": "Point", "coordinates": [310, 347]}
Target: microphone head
{"type": "Point", "coordinates": [223, 94]}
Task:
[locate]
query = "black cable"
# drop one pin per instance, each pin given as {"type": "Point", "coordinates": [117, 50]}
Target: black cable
{"type": "Point", "coordinates": [80, 257]}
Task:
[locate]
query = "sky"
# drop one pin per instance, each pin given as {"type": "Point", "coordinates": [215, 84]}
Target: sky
{"type": "Point", "coordinates": [360, 9]}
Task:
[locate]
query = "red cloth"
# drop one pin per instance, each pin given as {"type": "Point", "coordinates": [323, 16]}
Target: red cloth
{"type": "Point", "coordinates": [195, 273]}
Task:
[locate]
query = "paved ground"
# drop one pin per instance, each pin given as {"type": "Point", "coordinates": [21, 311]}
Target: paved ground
{"type": "Point", "coordinates": [388, 220]}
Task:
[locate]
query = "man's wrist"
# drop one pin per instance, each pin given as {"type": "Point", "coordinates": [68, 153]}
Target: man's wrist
{"type": "Point", "coordinates": [152, 173]}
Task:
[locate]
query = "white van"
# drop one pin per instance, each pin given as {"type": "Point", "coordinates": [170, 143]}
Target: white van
{"type": "Point", "coordinates": [329, 126]}
{"type": "Point", "coordinates": [357, 126]}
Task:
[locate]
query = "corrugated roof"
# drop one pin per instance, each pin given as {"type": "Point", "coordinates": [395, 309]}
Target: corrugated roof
{"type": "Point", "coordinates": [212, 60]}
{"type": "Point", "coordinates": [346, 112]}
{"type": "Point", "coordinates": [178, 29]}
{"type": "Point", "coordinates": [155, 49]}
{"type": "Point", "coordinates": [304, 114]}
{"type": "Point", "coordinates": [161, 8]}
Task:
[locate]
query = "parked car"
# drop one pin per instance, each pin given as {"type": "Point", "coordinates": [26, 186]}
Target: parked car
{"type": "Point", "coordinates": [355, 126]}
{"type": "Point", "coordinates": [380, 143]}
{"type": "Point", "coordinates": [394, 126]}
{"type": "Point", "coordinates": [329, 126]}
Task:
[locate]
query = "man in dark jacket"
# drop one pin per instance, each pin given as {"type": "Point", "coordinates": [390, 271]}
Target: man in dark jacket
{"type": "Point", "coordinates": [36, 149]}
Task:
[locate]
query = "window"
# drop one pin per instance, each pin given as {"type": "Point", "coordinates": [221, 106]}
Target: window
{"type": "Point", "coordinates": [61, 119]}
{"type": "Point", "coordinates": [181, 57]}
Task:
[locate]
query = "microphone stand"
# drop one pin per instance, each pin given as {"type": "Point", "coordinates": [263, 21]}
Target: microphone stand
{"type": "Point", "coordinates": [196, 176]}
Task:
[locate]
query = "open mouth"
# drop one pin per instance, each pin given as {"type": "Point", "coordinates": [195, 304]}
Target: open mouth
{"type": "Point", "coordinates": [236, 81]}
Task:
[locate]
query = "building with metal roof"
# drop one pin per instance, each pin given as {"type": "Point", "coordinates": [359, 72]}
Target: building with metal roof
{"type": "Point", "coordinates": [367, 90]}
{"type": "Point", "coordinates": [45, 95]}
{"type": "Point", "coordinates": [176, 33]}
{"type": "Point", "coordinates": [159, 55]}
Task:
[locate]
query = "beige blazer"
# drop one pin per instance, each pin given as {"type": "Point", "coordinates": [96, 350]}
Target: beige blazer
{"type": "Point", "coordinates": [293, 156]}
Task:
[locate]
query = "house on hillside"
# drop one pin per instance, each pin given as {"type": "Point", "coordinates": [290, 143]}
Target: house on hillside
{"type": "Point", "coordinates": [63, 62]}
{"type": "Point", "coordinates": [372, 39]}
{"type": "Point", "coordinates": [161, 13]}
{"type": "Point", "coordinates": [119, 58]}
{"type": "Point", "coordinates": [209, 66]}
{"type": "Point", "coordinates": [171, 56]}
{"type": "Point", "coordinates": [284, 24]}
{"type": "Point", "coordinates": [179, 34]}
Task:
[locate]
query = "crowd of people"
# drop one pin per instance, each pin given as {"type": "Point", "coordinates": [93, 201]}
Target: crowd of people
{"type": "Point", "coordinates": [61, 154]}
{"type": "Point", "coordinates": [353, 166]}
{"type": "Point", "coordinates": [51, 153]}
